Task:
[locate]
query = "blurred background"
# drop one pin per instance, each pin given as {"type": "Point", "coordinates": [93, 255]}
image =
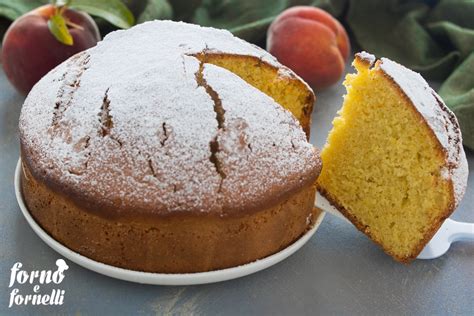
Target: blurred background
{"type": "Point", "coordinates": [433, 37]}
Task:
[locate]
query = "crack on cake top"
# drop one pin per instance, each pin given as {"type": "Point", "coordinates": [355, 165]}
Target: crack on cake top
{"type": "Point", "coordinates": [220, 118]}
{"type": "Point", "coordinates": [152, 169]}
{"type": "Point", "coordinates": [82, 145]}
{"type": "Point", "coordinates": [71, 81]}
{"type": "Point", "coordinates": [105, 118]}
{"type": "Point", "coordinates": [166, 135]}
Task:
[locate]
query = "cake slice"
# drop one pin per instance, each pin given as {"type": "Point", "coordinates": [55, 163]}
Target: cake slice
{"type": "Point", "coordinates": [393, 164]}
{"type": "Point", "coordinates": [279, 83]}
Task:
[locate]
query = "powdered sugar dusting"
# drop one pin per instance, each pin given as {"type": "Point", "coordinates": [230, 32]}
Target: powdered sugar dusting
{"type": "Point", "coordinates": [438, 117]}
{"type": "Point", "coordinates": [260, 146]}
{"type": "Point", "coordinates": [137, 130]}
{"type": "Point", "coordinates": [366, 57]}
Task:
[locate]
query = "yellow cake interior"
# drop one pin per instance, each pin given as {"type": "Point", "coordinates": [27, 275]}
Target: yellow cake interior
{"type": "Point", "coordinates": [290, 93]}
{"type": "Point", "coordinates": [382, 165]}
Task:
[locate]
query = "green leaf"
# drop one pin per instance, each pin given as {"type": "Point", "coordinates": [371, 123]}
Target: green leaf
{"type": "Point", "coordinates": [155, 9]}
{"type": "Point", "coordinates": [184, 9]}
{"type": "Point", "coordinates": [57, 26]}
{"type": "Point", "coordinates": [9, 13]}
{"type": "Point", "coordinates": [113, 11]}
{"type": "Point", "coordinates": [13, 9]}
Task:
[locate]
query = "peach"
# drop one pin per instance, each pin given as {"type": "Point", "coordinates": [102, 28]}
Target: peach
{"type": "Point", "coordinates": [29, 49]}
{"type": "Point", "coordinates": [310, 42]}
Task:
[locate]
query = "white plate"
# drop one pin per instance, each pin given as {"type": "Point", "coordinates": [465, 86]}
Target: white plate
{"type": "Point", "coordinates": [160, 278]}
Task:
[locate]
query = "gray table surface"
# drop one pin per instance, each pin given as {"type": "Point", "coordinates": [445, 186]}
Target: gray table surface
{"type": "Point", "coordinates": [339, 271]}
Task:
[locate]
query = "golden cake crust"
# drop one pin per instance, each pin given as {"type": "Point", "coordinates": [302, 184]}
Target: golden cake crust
{"type": "Point", "coordinates": [173, 244]}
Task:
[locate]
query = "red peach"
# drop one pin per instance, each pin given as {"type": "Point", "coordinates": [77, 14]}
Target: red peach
{"type": "Point", "coordinates": [29, 49]}
{"type": "Point", "coordinates": [310, 42]}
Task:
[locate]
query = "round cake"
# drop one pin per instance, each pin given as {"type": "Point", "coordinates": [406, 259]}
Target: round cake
{"type": "Point", "coordinates": [170, 148]}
